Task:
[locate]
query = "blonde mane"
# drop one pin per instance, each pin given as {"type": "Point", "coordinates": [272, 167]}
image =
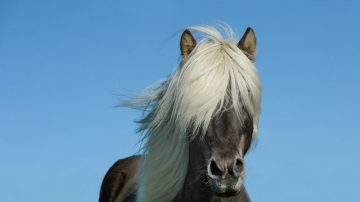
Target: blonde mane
{"type": "Point", "coordinates": [215, 73]}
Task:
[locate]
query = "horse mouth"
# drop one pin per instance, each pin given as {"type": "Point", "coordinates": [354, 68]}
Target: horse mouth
{"type": "Point", "coordinates": [225, 189]}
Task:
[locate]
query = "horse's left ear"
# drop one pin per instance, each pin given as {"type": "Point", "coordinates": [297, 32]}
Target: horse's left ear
{"type": "Point", "coordinates": [187, 43]}
{"type": "Point", "coordinates": [247, 43]}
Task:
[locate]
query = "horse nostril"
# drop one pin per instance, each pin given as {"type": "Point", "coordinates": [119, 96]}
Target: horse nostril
{"type": "Point", "coordinates": [239, 162]}
{"type": "Point", "coordinates": [214, 169]}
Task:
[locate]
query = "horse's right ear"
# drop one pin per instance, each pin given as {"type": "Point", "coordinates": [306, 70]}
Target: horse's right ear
{"type": "Point", "coordinates": [187, 43]}
{"type": "Point", "coordinates": [247, 43]}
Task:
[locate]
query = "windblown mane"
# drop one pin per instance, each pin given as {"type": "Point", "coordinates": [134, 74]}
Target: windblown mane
{"type": "Point", "coordinates": [215, 74]}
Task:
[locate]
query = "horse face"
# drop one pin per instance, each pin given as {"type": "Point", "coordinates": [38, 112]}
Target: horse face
{"type": "Point", "coordinates": [223, 148]}
{"type": "Point", "coordinates": [226, 142]}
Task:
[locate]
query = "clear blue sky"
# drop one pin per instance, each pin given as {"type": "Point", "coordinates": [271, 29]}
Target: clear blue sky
{"type": "Point", "coordinates": [63, 63]}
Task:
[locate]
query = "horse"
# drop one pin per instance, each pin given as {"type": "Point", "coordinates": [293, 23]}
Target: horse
{"type": "Point", "coordinates": [198, 126]}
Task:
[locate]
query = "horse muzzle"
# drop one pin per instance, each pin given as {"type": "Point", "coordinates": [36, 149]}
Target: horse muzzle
{"type": "Point", "coordinates": [226, 177]}
{"type": "Point", "coordinates": [226, 187]}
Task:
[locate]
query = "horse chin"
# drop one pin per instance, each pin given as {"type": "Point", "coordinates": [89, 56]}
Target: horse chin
{"type": "Point", "coordinates": [227, 194]}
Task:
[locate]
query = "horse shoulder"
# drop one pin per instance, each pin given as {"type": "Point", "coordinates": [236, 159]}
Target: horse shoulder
{"type": "Point", "coordinates": [120, 181]}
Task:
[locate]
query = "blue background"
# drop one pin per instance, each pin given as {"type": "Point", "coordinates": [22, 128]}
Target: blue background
{"type": "Point", "coordinates": [64, 63]}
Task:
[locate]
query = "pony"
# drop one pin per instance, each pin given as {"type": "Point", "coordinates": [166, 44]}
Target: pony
{"type": "Point", "coordinates": [199, 124]}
